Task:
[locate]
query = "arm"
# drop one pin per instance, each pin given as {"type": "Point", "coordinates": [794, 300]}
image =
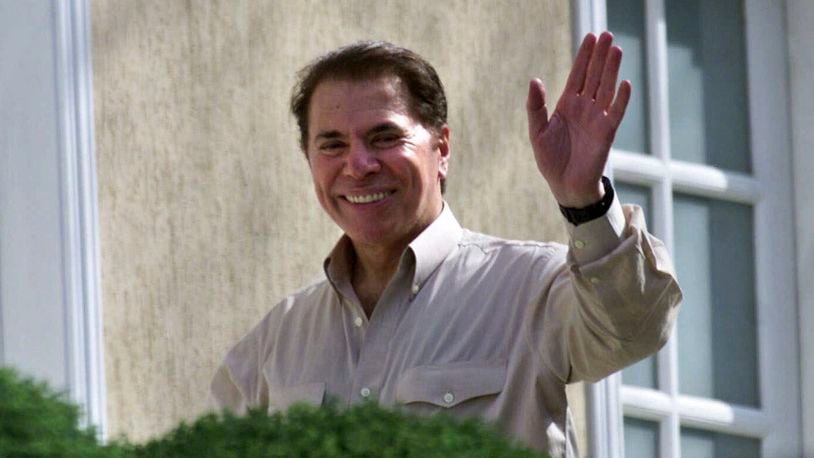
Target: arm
{"type": "Point", "coordinates": [616, 306]}
{"type": "Point", "coordinates": [238, 384]}
{"type": "Point", "coordinates": [615, 300]}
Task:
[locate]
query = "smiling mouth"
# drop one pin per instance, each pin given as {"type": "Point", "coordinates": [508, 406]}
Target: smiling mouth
{"type": "Point", "coordinates": [368, 198]}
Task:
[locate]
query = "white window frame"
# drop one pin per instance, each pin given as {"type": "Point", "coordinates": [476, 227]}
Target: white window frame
{"type": "Point", "coordinates": [777, 423]}
{"type": "Point", "coordinates": [65, 273]}
{"type": "Point", "coordinates": [82, 271]}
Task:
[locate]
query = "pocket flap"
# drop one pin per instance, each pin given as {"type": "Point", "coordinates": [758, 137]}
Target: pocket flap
{"type": "Point", "coordinates": [282, 397]}
{"type": "Point", "coordinates": [450, 384]}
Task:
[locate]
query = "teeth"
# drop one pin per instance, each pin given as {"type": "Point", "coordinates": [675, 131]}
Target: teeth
{"type": "Point", "coordinates": [367, 198]}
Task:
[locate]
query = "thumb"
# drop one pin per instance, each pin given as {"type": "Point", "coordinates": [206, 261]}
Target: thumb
{"type": "Point", "coordinates": [536, 108]}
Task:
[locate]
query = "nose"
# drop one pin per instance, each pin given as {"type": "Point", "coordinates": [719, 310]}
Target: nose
{"type": "Point", "coordinates": [361, 162]}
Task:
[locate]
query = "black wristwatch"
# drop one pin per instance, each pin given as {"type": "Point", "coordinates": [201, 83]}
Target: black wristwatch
{"type": "Point", "coordinates": [577, 216]}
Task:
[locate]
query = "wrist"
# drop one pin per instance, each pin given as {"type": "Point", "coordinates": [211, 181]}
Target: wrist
{"type": "Point", "coordinates": [594, 209]}
{"type": "Point", "coordinates": [581, 199]}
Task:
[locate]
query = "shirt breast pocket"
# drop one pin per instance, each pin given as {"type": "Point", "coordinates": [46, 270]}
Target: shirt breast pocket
{"type": "Point", "coordinates": [283, 397]}
{"type": "Point", "coordinates": [449, 385]}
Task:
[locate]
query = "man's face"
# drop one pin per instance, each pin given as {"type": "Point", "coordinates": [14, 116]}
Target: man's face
{"type": "Point", "coordinates": [376, 169]}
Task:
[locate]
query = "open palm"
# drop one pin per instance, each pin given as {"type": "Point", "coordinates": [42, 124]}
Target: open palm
{"type": "Point", "coordinates": [571, 147]}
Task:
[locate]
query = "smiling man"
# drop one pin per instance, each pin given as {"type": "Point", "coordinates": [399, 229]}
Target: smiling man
{"type": "Point", "coordinates": [417, 311]}
{"type": "Point", "coordinates": [377, 172]}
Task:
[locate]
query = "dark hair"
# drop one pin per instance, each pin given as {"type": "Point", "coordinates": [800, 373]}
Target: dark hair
{"type": "Point", "coordinates": [366, 60]}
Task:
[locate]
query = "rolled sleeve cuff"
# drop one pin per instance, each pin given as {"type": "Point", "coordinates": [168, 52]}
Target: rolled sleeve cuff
{"type": "Point", "coordinates": [591, 241]}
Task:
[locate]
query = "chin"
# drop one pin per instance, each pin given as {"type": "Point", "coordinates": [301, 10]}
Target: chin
{"type": "Point", "coordinates": [370, 237]}
{"type": "Point", "coordinates": [376, 235]}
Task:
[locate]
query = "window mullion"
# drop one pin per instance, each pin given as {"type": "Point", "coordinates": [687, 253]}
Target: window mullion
{"type": "Point", "coordinates": [667, 362]}
{"type": "Point", "coordinates": [646, 403]}
{"type": "Point", "coordinates": [706, 181]}
{"type": "Point", "coordinates": [719, 416]}
{"type": "Point", "coordinates": [637, 168]}
{"type": "Point", "coordinates": [590, 16]}
{"type": "Point", "coordinates": [656, 45]}
{"type": "Point", "coordinates": [656, 32]}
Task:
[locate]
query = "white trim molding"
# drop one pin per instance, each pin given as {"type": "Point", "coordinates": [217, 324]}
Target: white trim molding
{"type": "Point", "coordinates": [799, 16]}
{"type": "Point", "coordinates": [80, 239]}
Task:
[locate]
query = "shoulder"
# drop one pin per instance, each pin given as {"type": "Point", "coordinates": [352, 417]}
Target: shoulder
{"type": "Point", "coordinates": [491, 245]}
{"type": "Point", "coordinates": [477, 251]}
{"type": "Point", "coordinates": [305, 300]}
{"type": "Point", "coordinates": [292, 309]}
{"type": "Point", "coordinates": [309, 294]}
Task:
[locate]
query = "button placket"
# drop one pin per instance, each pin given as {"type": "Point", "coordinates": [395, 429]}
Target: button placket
{"type": "Point", "coordinates": [356, 330]}
{"type": "Point", "coordinates": [373, 356]}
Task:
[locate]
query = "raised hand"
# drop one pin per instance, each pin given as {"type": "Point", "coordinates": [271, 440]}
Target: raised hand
{"type": "Point", "coordinates": [571, 147]}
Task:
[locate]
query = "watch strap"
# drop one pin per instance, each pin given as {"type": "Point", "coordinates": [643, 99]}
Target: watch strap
{"type": "Point", "coordinates": [577, 216]}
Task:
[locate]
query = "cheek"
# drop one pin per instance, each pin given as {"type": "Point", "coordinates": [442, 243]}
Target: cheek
{"type": "Point", "coordinates": [320, 173]}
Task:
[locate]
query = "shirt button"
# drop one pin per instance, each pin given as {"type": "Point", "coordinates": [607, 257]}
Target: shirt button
{"type": "Point", "coordinates": [448, 398]}
{"type": "Point", "coordinates": [365, 392]}
{"type": "Point", "coordinates": [594, 280]}
{"type": "Point", "coordinates": [579, 244]}
{"type": "Point", "coordinates": [415, 289]}
{"type": "Point", "coordinates": [357, 322]}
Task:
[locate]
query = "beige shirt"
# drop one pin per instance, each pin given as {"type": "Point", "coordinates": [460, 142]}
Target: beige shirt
{"type": "Point", "coordinates": [470, 325]}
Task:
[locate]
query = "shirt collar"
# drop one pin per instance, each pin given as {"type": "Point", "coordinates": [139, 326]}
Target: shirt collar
{"type": "Point", "coordinates": [337, 266]}
{"type": "Point", "coordinates": [428, 250]}
{"type": "Point", "coordinates": [434, 244]}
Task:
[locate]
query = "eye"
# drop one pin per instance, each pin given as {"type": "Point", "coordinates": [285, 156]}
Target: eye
{"type": "Point", "coordinates": [386, 140]}
{"type": "Point", "coordinates": [331, 148]}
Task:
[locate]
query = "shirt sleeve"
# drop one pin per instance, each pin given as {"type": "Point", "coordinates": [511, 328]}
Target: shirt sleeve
{"type": "Point", "coordinates": [594, 239]}
{"type": "Point", "coordinates": [238, 383]}
{"type": "Point", "coordinates": [613, 303]}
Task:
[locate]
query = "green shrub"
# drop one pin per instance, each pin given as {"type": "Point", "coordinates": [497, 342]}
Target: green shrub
{"type": "Point", "coordinates": [36, 422]}
{"type": "Point", "coordinates": [365, 430]}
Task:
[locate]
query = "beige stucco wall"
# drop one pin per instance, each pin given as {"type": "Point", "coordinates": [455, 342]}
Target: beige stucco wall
{"type": "Point", "coordinates": [207, 214]}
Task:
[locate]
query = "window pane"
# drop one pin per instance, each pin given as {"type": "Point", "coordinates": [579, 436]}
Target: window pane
{"type": "Point", "coordinates": [641, 438]}
{"type": "Point", "coordinates": [626, 21]}
{"type": "Point", "coordinates": [709, 110]}
{"type": "Point", "coordinates": [702, 444]}
{"type": "Point", "coordinates": [717, 345]}
{"type": "Point", "coordinates": [642, 373]}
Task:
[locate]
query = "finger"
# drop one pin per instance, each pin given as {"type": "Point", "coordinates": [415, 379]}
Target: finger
{"type": "Point", "coordinates": [605, 92]}
{"type": "Point", "coordinates": [536, 107]}
{"type": "Point", "coordinates": [597, 65]}
{"type": "Point", "coordinates": [618, 107]}
{"type": "Point", "coordinates": [577, 76]}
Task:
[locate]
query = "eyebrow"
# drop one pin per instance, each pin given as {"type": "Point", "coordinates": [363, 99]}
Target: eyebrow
{"type": "Point", "coordinates": [384, 127]}
{"type": "Point", "coordinates": [378, 128]}
{"type": "Point", "coordinates": [329, 135]}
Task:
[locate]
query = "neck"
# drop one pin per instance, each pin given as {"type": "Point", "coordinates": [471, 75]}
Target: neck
{"type": "Point", "coordinates": [374, 265]}
{"type": "Point", "coordinates": [373, 268]}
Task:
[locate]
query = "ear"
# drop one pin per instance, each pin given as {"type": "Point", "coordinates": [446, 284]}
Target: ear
{"type": "Point", "coordinates": [444, 151]}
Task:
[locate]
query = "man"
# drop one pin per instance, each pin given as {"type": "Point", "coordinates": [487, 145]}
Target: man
{"type": "Point", "coordinates": [418, 312]}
